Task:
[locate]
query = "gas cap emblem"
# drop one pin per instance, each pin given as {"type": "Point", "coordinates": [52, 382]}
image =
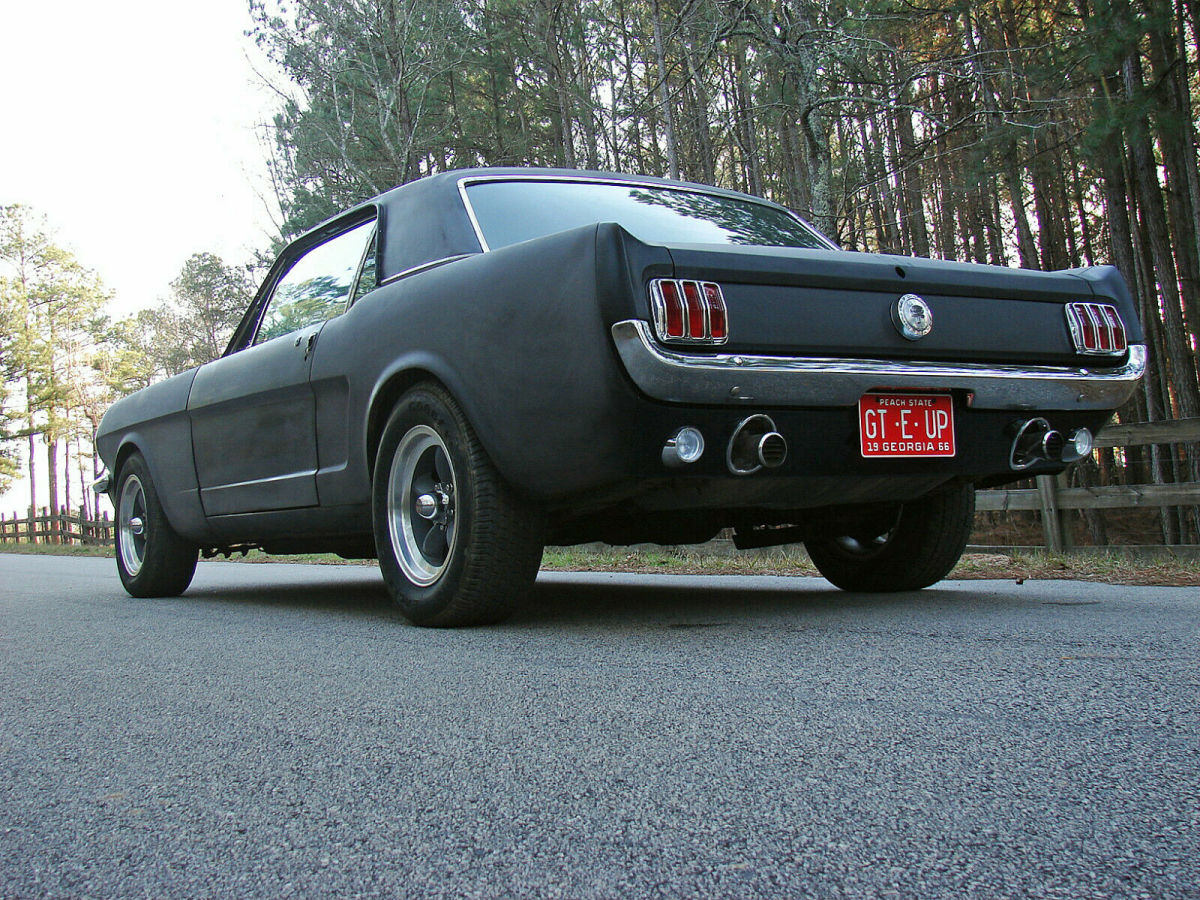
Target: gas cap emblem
{"type": "Point", "coordinates": [912, 317]}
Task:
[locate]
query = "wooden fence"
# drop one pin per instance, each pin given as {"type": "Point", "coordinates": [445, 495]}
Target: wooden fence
{"type": "Point", "coordinates": [62, 527]}
{"type": "Point", "coordinates": [1052, 495]}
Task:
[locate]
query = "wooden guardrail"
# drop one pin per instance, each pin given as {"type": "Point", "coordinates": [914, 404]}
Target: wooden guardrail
{"type": "Point", "coordinates": [1052, 496]}
{"type": "Point", "coordinates": [62, 527]}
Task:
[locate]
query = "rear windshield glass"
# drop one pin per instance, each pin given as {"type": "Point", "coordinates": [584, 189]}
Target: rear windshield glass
{"type": "Point", "coordinates": [512, 211]}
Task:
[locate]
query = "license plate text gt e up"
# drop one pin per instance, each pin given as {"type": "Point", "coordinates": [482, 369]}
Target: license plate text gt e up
{"type": "Point", "coordinates": [906, 425]}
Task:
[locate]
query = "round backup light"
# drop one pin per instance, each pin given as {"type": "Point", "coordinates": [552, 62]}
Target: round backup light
{"type": "Point", "coordinates": [1079, 445]}
{"type": "Point", "coordinates": [686, 446]}
{"type": "Point", "coordinates": [689, 444]}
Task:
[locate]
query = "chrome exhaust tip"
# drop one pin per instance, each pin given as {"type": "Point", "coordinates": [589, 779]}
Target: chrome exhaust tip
{"type": "Point", "coordinates": [772, 450]}
{"type": "Point", "coordinates": [755, 445]}
{"type": "Point", "coordinates": [1035, 442]}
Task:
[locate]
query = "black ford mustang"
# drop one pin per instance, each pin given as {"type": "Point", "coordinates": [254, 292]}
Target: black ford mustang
{"type": "Point", "coordinates": [468, 367]}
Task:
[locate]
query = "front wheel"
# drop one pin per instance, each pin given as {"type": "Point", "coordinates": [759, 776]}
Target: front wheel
{"type": "Point", "coordinates": [921, 543]}
{"type": "Point", "coordinates": [152, 560]}
{"type": "Point", "coordinates": [456, 545]}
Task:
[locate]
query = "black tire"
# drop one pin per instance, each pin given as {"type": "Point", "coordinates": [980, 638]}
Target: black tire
{"type": "Point", "coordinates": [924, 543]}
{"type": "Point", "coordinates": [456, 545]}
{"type": "Point", "coordinates": [152, 560]}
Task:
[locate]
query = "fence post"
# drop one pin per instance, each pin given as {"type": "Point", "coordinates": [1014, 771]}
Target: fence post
{"type": "Point", "coordinates": [1063, 480]}
{"type": "Point", "coordinates": [1052, 519]}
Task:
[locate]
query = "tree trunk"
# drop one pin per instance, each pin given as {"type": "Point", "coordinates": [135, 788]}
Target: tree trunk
{"type": "Point", "coordinates": [1181, 360]}
{"type": "Point", "coordinates": [67, 474]}
{"type": "Point", "coordinates": [664, 92]}
{"type": "Point", "coordinates": [912, 186]}
{"type": "Point", "coordinates": [745, 123]}
{"type": "Point", "coordinates": [52, 471]}
{"type": "Point", "coordinates": [1051, 242]}
{"type": "Point", "coordinates": [32, 468]}
{"type": "Point", "coordinates": [1175, 132]}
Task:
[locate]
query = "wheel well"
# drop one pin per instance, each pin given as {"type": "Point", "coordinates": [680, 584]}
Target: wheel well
{"type": "Point", "coordinates": [385, 401]}
{"type": "Point", "coordinates": [127, 450]}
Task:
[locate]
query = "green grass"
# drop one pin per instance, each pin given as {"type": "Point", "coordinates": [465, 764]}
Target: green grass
{"type": "Point", "coordinates": [55, 549]}
{"type": "Point", "coordinates": [678, 560]}
{"type": "Point", "coordinates": [1107, 567]}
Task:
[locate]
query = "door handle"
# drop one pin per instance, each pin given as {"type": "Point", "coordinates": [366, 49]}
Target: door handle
{"type": "Point", "coordinates": [309, 344]}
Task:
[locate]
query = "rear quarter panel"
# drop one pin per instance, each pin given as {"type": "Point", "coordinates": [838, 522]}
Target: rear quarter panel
{"type": "Point", "coordinates": [518, 335]}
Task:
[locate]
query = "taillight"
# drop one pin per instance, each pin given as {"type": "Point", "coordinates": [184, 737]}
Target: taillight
{"type": "Point", "coordinates": [691, 312]}
{"type": "Point", "coordinates": [717, 325]}
{"type": "Point", "coordinates": [671, 318]}
{"type": "Point", "coordinates": [1118, 328]}
{"type": "Point", "coordinates": [697, 326]}
{"type": "Point", "coordinates": [1096, 329]}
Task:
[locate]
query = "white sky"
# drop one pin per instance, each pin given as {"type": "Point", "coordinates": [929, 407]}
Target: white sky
{"type": "Point", "coordinates": [133, 125]}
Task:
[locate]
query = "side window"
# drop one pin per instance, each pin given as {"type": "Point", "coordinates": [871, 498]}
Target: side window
{"type": "Point", "coordinates": [317, 285]}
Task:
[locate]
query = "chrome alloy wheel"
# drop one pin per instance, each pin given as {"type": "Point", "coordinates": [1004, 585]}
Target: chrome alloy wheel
{"type": "Point", "coordinates": [131, 520]}
{"type": "Point", "coordinates": [421, 505]}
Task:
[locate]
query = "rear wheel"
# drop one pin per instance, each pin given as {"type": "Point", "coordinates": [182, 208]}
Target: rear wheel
{"type": "Point", "coordinates": [152, 560]}
{"type": "Point", "coordinates": [457, 546]}
{"type": "Point", "coordinates": [918, 546]}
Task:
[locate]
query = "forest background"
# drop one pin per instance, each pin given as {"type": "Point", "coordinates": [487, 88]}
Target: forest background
{"type": "Point", "coordinates": [1042, 134]}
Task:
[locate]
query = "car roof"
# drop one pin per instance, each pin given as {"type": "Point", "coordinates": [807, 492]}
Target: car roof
{"type": "Point", "coordinates": [425, 220]}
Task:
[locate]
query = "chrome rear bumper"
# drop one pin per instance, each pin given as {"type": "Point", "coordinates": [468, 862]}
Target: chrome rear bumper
{"type": "Point", "coordinates": [792, 381]}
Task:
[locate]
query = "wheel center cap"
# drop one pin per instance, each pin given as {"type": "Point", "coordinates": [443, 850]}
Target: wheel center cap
{"type": "Point", "coordinates": [427, 506]}
{"type": "Point", "coordinates": [137, 526]}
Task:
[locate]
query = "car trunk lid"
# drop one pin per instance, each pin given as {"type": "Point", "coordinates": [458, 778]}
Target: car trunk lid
{"type": "Point", "coordinates": [818, 303]}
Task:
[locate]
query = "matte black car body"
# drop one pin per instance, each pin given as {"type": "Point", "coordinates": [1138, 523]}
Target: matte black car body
{"type": "Point", "coordinates": [547, 346]}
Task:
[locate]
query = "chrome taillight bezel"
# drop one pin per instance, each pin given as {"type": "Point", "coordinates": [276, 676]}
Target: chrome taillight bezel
{"type": "Point", "coordinates": [1104, 323]}
{"type": "Point", "coordinates": [711, 302]}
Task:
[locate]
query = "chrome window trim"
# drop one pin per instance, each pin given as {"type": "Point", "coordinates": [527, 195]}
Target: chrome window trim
{"type": "Point", "coordinates": [421, 267]}
{"type": "Point", "coordinates": [721, 378]}
{"type": "Point", "coordinates": [358, 273]}
{"type": "Point", "coordinates": [467, 181]}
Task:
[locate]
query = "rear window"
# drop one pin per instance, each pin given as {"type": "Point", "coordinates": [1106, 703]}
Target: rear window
{"type": "Point", "coordinates": [509, 212]}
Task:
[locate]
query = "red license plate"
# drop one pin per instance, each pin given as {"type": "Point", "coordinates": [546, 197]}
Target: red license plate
{"type": "Point", "coordinates": [909, 425]}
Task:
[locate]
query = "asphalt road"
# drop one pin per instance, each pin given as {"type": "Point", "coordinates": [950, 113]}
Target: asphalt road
{"type": "Point", "coordinates": [279, 731]}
